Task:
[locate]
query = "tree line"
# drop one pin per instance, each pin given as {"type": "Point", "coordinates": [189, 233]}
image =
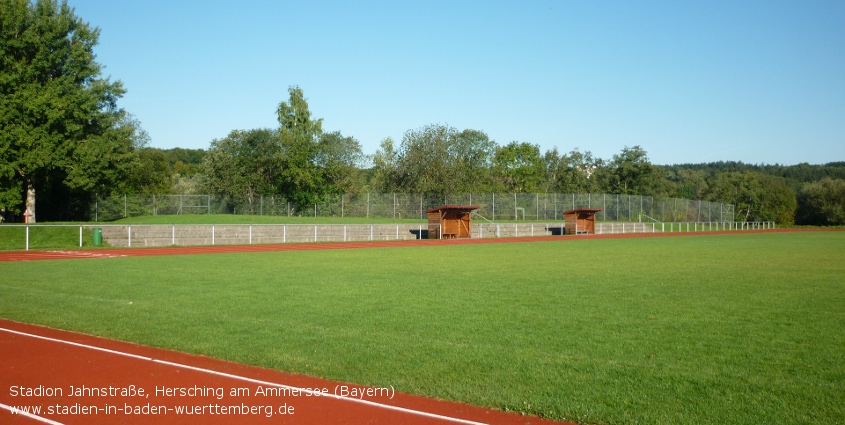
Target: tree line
{"type": "Point", "coordinates": [63, 139]}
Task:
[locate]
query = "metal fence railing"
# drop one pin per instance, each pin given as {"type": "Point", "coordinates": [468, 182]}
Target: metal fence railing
{"type": "Point", "coordinates": [29, 236]}
{"type": "Point", "coordinates": [493, 206]}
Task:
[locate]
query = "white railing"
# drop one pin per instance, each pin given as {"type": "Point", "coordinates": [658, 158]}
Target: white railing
{"type": "Point", "coordinates": [247, 234]}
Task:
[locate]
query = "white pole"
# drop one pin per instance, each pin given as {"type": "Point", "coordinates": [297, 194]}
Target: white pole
{"type": "Point", "coordinates": [27, 237]}
{"type": "Point", "coordinates": [129, 235]}
{"type": "Point", "coordinates": [80, 236]}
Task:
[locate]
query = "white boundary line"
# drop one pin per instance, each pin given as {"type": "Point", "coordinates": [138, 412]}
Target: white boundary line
{"type": "Point", "coordinates": [243, 378]}
{"type": "Point", "coordinates": [19, 412]}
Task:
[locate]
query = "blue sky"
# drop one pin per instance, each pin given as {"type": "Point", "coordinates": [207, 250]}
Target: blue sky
{"type": "Point", "coordinates": [761, 82]}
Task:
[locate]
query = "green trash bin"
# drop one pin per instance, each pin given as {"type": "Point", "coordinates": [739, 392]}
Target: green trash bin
{"type": "Point", "coordinates": [97, 236]}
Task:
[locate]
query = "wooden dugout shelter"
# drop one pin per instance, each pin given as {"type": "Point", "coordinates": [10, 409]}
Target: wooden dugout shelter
{"type": "Point", "coordinates": [450, 221]}
{"type": "Point", "coordinates": [581, 221]}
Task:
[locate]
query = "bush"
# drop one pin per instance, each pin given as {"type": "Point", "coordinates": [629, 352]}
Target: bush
{"type": "Point", "coordinates": [822, 203]}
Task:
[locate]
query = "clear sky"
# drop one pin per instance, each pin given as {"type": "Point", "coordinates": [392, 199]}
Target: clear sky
{"type": "Point", "coordinates": [761, 82]}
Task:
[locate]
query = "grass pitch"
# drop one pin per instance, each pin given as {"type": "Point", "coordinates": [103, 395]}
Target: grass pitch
{"type": "Point", "coordinates": [742, 328]}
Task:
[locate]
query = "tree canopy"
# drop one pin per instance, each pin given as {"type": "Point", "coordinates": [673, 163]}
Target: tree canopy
{"type": "Point", "coordinates": [59, 120]}
{"type": "Point", "coordinates": [297, 161]}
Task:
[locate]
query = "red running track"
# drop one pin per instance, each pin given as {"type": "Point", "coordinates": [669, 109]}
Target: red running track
{"type": "Point", "coordinates": [80, 379]}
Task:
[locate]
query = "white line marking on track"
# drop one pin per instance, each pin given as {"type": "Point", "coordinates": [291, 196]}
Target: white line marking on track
{"type": "Point", "coordinates": [29, 415]}
{"type": "Point", "coordinates": [254, 381]}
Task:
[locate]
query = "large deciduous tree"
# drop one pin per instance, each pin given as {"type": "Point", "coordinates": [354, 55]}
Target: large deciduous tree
{"type": "Point", "coordinates": [313, 164]}
{"type": "Point", "coordinates": [631, 173]}
{"type": "Point", "coordinates": [435, 160]}
{"type": "Point", "coordinates": [581, 173]}
{"type": "Point", "coordinates": [244, 165]}
{"type": "Point", "coordinates": [519, 168]}
{"type": "Point", "coordinates": [301, 180]}
{"type": "Point", "coordinates": [59, 120]}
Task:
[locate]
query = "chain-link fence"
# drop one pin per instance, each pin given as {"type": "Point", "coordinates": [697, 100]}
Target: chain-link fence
{"type": "Point", "coordinates": [492, 206]}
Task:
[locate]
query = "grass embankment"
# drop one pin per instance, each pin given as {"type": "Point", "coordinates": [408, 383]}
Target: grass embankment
{"type": "Point", "coordinates": [43, 237]}
{"type": "Point", "coordinates": [742, 328]}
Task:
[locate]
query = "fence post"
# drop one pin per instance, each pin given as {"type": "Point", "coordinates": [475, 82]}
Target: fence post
{"type": "Point", "coordinates": [129, 235]}
{"type": "Point", "coordinates": [27, 237]}
{"type": "Point", "coordinates": [80, 236]}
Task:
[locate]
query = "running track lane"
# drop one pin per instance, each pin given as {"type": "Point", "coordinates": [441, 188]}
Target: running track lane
{"type": "Point", "coordinates": [173, 250]}
{"type": "Point", "coordinates": [38, 357]}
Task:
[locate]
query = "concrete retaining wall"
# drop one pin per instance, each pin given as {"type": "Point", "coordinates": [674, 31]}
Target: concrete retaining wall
{"type": "Point", "coordinates": [232, 234]}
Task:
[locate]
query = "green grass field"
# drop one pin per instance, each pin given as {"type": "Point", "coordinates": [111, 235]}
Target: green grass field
{"type": "Point", "coordinates": [741, 328]}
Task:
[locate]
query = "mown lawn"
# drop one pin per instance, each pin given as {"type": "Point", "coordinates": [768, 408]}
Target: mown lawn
{"type": "Point", "coordinates": [741, 328]}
